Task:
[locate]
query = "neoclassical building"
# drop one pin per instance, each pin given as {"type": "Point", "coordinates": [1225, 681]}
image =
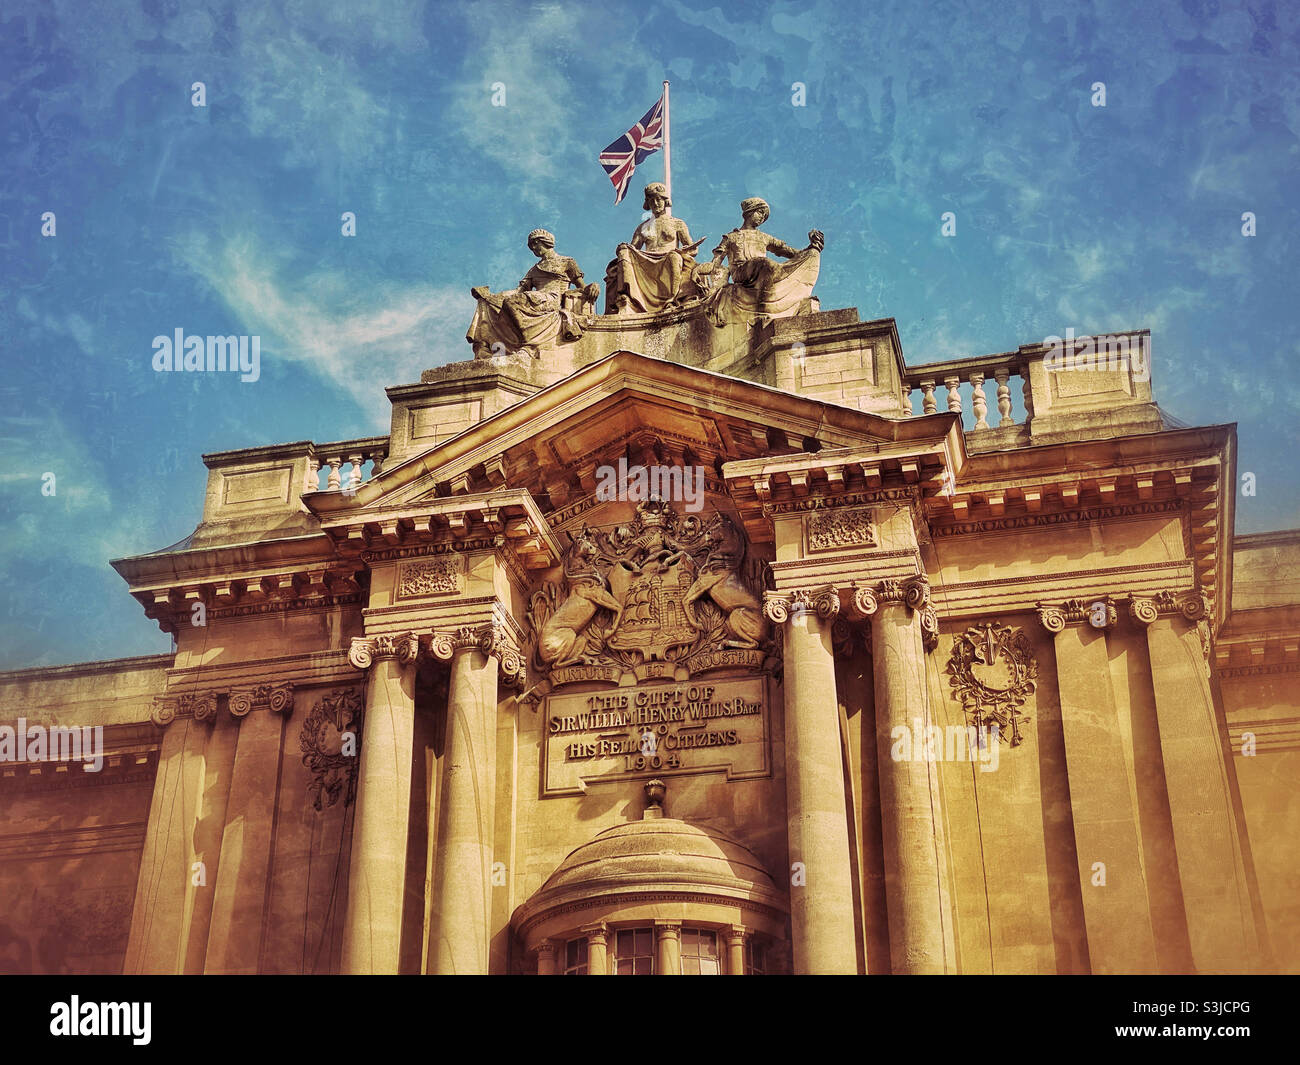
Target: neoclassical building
{"type": "Point", "coordinates": [858, 667]}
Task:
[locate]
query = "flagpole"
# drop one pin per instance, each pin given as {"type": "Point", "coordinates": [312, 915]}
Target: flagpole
{"type": "Point", "coordinates": [668, 159]}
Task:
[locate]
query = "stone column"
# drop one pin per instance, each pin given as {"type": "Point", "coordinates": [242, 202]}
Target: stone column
{"type": "Point", "coordinates": [167, 901]}
{"type": "Point", "coordinates": [902, 623]}
{"type": "Point", "coordinates": [239, 905]}
{"type": "Point", "coordinates": [735, 951]}
{"type": "Point", "coordinates": [597, 949]}
{"type": "Point", "coordinates": [668, 944]}
{"type": "Point", "coordinates": [1211, 869]}
{"type": "Point", "coordinates": [460, 935]}
{"type": "Point", "coordinates": [546, 958]}
{"type": "Point", "coordinates": [821, 893]}
{"type": "Point", "coordinates": [1116, 910]}
{"type": "Point", "coordinates": [372, 930]}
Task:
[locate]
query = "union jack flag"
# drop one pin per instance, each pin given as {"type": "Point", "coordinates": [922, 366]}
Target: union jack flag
{"type": "Point", "coordinates": [621, 157]}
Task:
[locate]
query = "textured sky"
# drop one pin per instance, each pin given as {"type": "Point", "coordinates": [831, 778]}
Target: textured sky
{"type": "Point", "coordinates": [226, 218]}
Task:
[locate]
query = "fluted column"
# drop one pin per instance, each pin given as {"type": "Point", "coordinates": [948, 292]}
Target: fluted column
{"type": "Point", "coordinates": [460, 934]}
{"type": "Point", "coordinates": [821, 892]}
{"type": "Point", "coordinates": [1211, 867]}
{"type": "Point", "coordinates": [1116, 909]}
{"type": "Point", "coordinates": [372, 930]}
{"type": "Point", "coordinates": [902, 625]}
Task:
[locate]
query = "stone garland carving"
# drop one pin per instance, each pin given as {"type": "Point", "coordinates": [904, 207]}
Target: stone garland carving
{"type": "Point", "coordinates": [440, 575]}
{"type": "Point", "coordinates": [664, 595]}
{"type": "Point", "coordinates": [277, 698]}
{"type": "Point", "coordinates": [333, 773]}
{"type": "Point", "coordinates": [494, 640]}
{"type": "Point", "coordinates": [993, 671]}
{"type": "Point", "coordinates": [830, 530]}
{"type": "Point", "coordinates": [404, 647]}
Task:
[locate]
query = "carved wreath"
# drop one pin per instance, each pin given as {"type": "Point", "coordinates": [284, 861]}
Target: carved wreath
{"type": "Point", "coordinates": [993, 671]}
{"type": "Point", "coordinates": [332, 771]}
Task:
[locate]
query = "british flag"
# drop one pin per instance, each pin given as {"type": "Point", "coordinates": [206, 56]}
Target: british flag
{"type": "Point", "coordinates": [621, 157]}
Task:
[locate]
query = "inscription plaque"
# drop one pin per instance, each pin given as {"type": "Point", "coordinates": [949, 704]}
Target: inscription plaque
{"type": "Point", "coordinates": [642, 731]}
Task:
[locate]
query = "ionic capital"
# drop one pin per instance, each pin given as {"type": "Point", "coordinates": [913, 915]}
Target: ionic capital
{"type": "Point", "coordinates": [913, 592]}
{"type": "Point", "coordinates": [277, 698]}
{"type": "Point", "coordinates": [1099, 612]}
{"type": "Point", "coordinates": [201, 706]}
{"type": "Point", "coordinates": [824, 602]}
{"type": "Point", "coordinates": [493, 639]}
{"type": "Point", "coordinates": [1190, 604]}
{"type": "Point", "coordinates": [402, 647]}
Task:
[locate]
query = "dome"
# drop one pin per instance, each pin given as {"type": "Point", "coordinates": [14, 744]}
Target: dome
{"type": "Point", "coordinates": [658, 858]}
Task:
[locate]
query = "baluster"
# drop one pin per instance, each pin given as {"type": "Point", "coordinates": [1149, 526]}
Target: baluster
{"type": "Point", "coordinates": [378, 456]}
{"type": "Point", "coordinates": [354, 478]}
{"type": "Point", "coordinates": [1028, 394]}
{"type": "Point", "coordinates": [979, 401]}
{"type": "Point", "coordinates": [905, 402]}
{"type": "Point", "coordinates": [1001, 375]}
{"type": "Point", "coordinates": [928, 403]}
{"type": "Point", "coordinates": [312, 481]}
{"type": "Point", "coordinates": [954, 396]}
{"type": "Point", "coordinates": [335, 480]}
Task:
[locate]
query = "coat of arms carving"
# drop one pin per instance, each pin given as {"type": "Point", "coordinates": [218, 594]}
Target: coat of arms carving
{"type": "Point", "coordinates": [662, 596]}
{"type": "Point", "coordinates": [993, 671]}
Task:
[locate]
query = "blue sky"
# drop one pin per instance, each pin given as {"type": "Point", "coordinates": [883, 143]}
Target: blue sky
{"type": "Point", "coordinates": [225, 219]}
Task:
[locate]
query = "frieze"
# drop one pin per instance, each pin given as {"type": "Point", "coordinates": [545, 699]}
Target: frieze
{"type": "Point", "coordinates": [849, 499]}
{"type": "Point", "coordinates": [395, 554]}
{"type": "Point", "coordinates": [939, 528]}
{"type": "Point", "coordinates": [993, 671]}
{"type": "Point", "coordinates": [832, 530]}
{"type": "Point", "coordinates": [657, 597]}
{"type": "Point", "coordinates": [274, 606]}
{"type": "Point", "coordinates": [441, 575]}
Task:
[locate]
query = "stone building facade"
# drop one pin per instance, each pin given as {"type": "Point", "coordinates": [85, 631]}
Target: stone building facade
{"type": "Point", "coordinates": [918, 681]}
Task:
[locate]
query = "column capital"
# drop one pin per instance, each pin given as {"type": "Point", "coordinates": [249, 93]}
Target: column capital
{"type": "Point", "coordinates": [404, 647]}
{"type": "Point", "coordinates": [668, 929]}
{"type": "Point", "coordinates": [1189, 603]}
{"type": "Point", "coordinates": [598, 932]}
{"type": "Point", "coordinates": [913, 592]}
{"type": "Point", "coordinates": [199, 705]}
{"type": "Point", "coordinates": [277, 698]}
{"type": "Point", "coordinates": [736, 934]}
{"type": "Point", "coordinates": [1098, 611]}
{"type": "Point", "coordinates": [824, 602]}
{"type": "Point", "coordinates": [493, 639]}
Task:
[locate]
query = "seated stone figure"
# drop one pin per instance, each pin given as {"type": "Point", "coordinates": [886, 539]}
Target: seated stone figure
{"type": "Point", "coordinates": [541, 312]}
{"type": "Point", "coordinates": [654, 271]}
{"type": "Point", "coordinates": [760, 287]}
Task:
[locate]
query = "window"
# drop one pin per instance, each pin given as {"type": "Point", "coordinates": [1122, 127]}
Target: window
{"type": "Point", "coordinates": [700, 953]}
{"type": "Point", "coordinates": [634, 952]}
{"type": "Point", "coordinates": [755, 957]}
{"type": "Point", "coordinates": [575, 957]}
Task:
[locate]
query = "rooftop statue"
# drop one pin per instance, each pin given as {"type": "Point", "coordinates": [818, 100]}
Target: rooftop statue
{"type": "Point", "coordinates": [761, 287]}
{"type": "Point", "coordinates": [544, 310]}
{"type": "Point", "coordinates": [654, 271]}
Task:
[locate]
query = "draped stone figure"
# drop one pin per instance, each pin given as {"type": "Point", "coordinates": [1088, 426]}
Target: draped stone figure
{"type": "Point", "coordinates": [761, 287]}
{"type": "Point", "coordinates": [655, 270]}
{"type": "Point", "coordinates": [545, 309]}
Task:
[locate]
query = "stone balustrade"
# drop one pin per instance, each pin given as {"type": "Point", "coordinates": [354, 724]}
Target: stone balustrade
{"type": "Point", "coordinates": [1082, 387]}
{"type": "Point", "coordinates": [342, 465]}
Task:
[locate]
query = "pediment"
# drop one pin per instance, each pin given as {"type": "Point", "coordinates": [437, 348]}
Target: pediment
{"type": "Point", "coordinates": [628, 406]}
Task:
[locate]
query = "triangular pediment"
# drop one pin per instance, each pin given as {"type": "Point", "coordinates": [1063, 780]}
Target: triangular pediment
{"type": "Point", "coordinates": [645, 410]}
